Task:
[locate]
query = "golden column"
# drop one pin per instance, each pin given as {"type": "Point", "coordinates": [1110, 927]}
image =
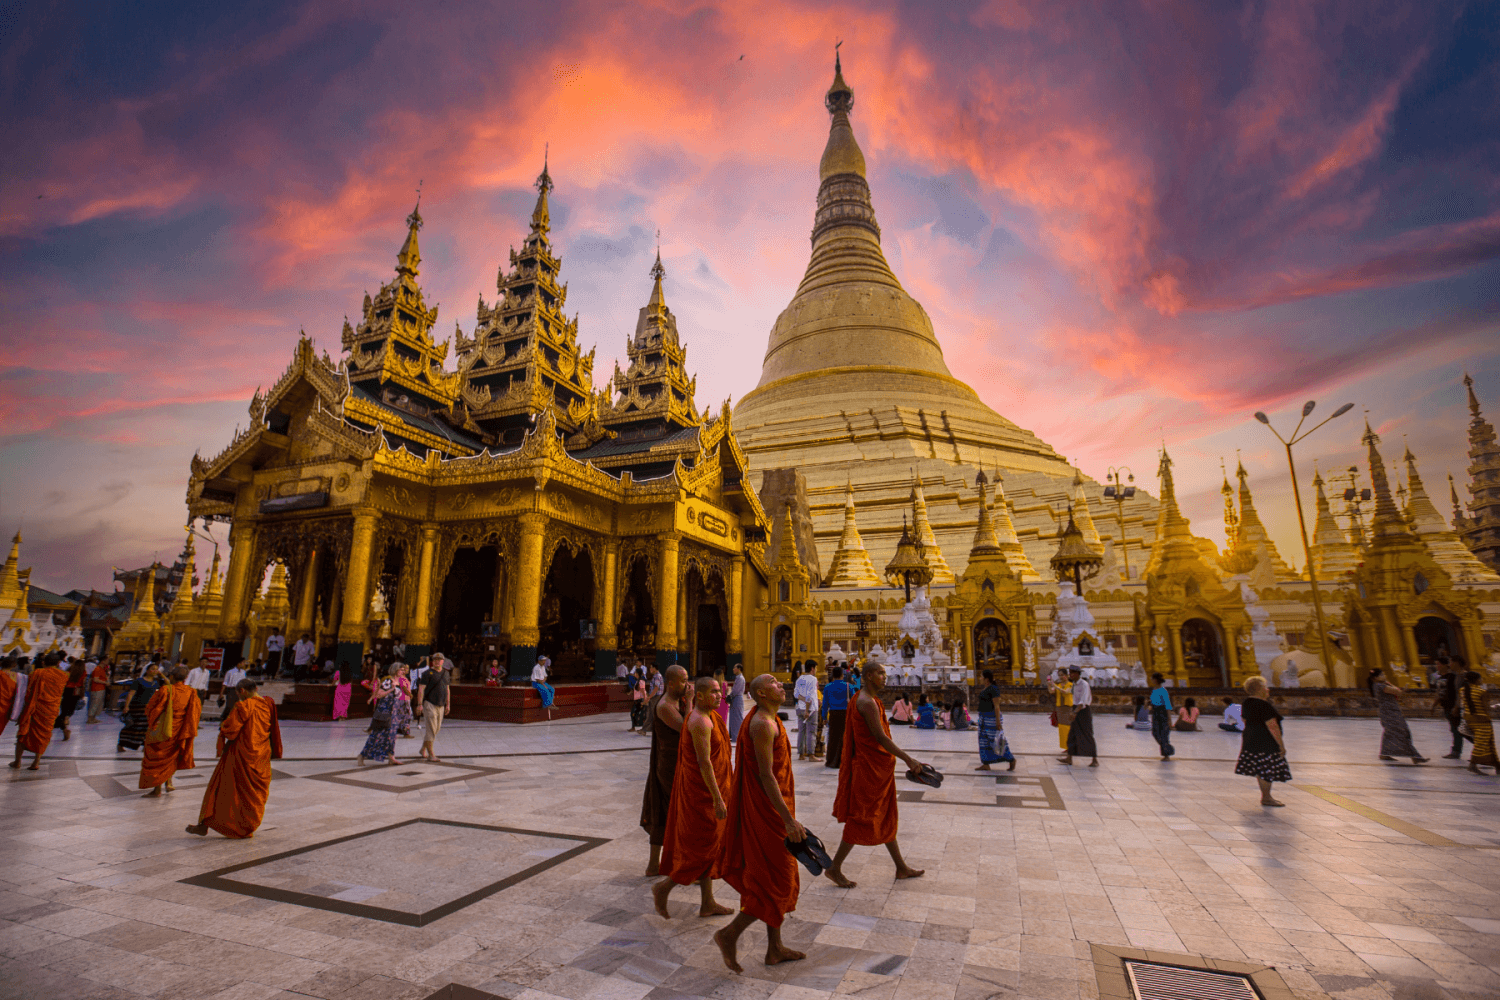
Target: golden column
{"type": "Point", "coordinates": [231, 624]}
{"type": "Point", "coordinates": [1017, 654]}
{"type": "Point", "coordinates": [1409, 649]}
{"type": "Point", "coordinates": [528, 587]}
{"type": "Point", "coordinates": [1390, 639]}
{"type": "Point", "coordinates": [1179, 668]}
{"type": "Point", "coordinates": [1232, 655]}
{"type": "Point", "coordinates": [666, 608]}
{"type": "Point", "coordinates": [736, 595]}
{"type": "Point", "coordinates": [605, 646]}
{"type": "Point", "coordinates": [419, 631]}
{"type": "Point", "coordinates": [355, 606]}
{"type": "Point", "coordinates": [307, 601]}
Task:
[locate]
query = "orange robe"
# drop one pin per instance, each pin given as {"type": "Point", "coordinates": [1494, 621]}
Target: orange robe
{"type": "Point", "coordinates": [164, 759]}
{"type": "Point", "coordinates": [44, 694]}
{"type": "Point", "coordinates": [7, 697]}
{"type": "Point", "coordinates": [754, 859]}
{"type": "Point", "coordinates": [249, 739]}
{"type": "Point", "coordinates": [691, 847]}
{"type": "Point", "coordinates": [866, 800]}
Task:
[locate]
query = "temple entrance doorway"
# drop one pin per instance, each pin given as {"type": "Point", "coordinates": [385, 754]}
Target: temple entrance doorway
{"type": "Point", "coordinates": [992, 647]}
{"type": "Point", "coordinates": [328, 599]}
{"type": "Point", "coordinates": [567, 600]}
{"type": "Point", "coordinates": [1435, 637]}
{"type": "Point", "coordinates": [708, 652]}
{"type": "Point", "coordinates": [781, 644]}
{"type": "Point", "coordinates": [1202, 653]}
{"type": "Point", "coordinates": [707, 610]}
{"type": "Point", "coordinates": [468, 602]}
{"type": "Point", "coordinates": [636, 629]}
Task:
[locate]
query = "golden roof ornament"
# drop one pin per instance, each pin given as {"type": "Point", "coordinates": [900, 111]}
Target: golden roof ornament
{"type": "Point", "coordinates": [851, 566]}
{"type": "Point", "coordinates": [908, 566]}
{"type": "Point", "coordinates": [985, 539]}
{"type": "Point", "coordinates": [921, 529]}
{"type": "Point", "coordinates": [1388, 521]}
{"type": "Point", "coordinates": [1075, 560]}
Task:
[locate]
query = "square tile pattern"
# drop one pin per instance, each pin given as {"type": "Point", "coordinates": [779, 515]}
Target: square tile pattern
{"type": "Point", "coordinates": [408, 873]}
{"type": "Point", "coordinates": [518, 871]}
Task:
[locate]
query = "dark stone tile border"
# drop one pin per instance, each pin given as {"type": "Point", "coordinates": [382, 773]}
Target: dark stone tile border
{"type": "Point", "coordinates": [218, 880]}
{"type": "Point", "coordinates": [457, 991]}
{"type": "Point", "coordinates": [1109, 971]}
{"type": "Point", "coordinates": [1054, 800]}
{"type": "Point", "coordinates": [337, 777]}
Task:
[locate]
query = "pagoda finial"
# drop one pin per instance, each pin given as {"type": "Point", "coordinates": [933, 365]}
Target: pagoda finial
{"type": "Point", "coordinates": [1473, 399]}
{"type": "Point", "coordinates": [541, 216]}
{"type": "Point", "coordinates": [410, 258]}
{"type": "Point", "coordinates": [1458, 511]}
{"type": "Point", "coordinates": [1388, 520]}
{"type": "Point", "coordinates": [657, 274]}
{"type": "Point", "coordinates": [840, 98]}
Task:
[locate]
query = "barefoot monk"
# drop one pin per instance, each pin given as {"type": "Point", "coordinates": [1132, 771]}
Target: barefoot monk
{"type": "Point", "coordinates": [166, 756]}
{"type": "Point", "coordinates": [665, 716]}
{"type": "Point", "coordinates": [249, 739]}
{"type": "Point", "coordinates": [866, 799]}
{"type": "Point", "coordinates": [700, 796]}
{"type": "Point", "coordinates": [762, 818]}
{"type": "Point", "coordinates": [44, 695]}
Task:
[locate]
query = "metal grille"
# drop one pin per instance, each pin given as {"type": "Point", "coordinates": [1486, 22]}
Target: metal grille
{"type": "Point", "coordinates": [1170, 982]}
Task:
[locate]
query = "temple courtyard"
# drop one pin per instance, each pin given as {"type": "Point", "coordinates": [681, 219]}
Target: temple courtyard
{"type": "Point", "coordinates": [515, 868]}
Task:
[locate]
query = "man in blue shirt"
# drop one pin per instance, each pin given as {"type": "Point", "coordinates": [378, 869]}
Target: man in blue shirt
{"type": "Point", "coordinates": [835, 711]}
{"type": "Point", "coordinates": [1161, 715]}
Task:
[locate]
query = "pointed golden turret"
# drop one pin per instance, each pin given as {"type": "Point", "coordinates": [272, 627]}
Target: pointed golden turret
{"type": "Point", "coordinates": [1481, 531]}
{"type": "Point", "coordinates": [922, 531]}
{"type": "Point", "coordinates": [1075, 560]}
{"type": "Point", "coordinates": [788, 563]}
{"type": "Point", "coordinates": [1081, 515]}
{"type": "Point", "coordinates": [12, 594]}
{"type": "Point", "coordinates": [140, 633]}
{"type": "Point", "coordinates": [851, 562]}
{"type": "Point", "coordinates": [1005, 533]}
{"type": "Point", "coordinates": [182, 604]}
{"type": "Point", "coordinates": [409, 259]}
{"type": "Point", "coordinates": [1333, 556]}
{"type": "Point", "coordinates": [907, 567]}
{"type": "Point", "coordinates": [1388, 521]}
{"type": "Point", "coordinates": [541, 215]}
{"type": "Point", "coordinates": [1252, 533]}
{"type": "Point", "coordinates": [985, 539]}
{"type": "Point", "coordinates": [1442, 543]}
{"type": "Point", "coordinates": [210, 603]}
{"type": "Point", "coordinates": [1231, 517]}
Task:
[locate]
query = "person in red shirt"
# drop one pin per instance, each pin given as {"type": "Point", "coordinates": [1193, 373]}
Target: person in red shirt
{"type": "Point", "coordinates": [98, 689]}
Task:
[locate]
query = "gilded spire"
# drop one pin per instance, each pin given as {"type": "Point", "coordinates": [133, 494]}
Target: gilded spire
{"type": "Point", "coordinates": [1473, 399]}
{"type": "Point", "coordinates": [1081, 515]}
{"type": "Point", "coordinates": [788, 563]}
{"type": "Point", "coordinates": [410, 258]}
{"type": "Point", "coordinates": [842, 155]}
{"type": "Point", "coordinates": [851, 562]}
{"type": "Point", "coordinates": [1172, 522]}
{"type": "Point", "coordinates": [1388, 521]}
{"type": "Point", "coordinates": [12, 594]}
{"type": "Point", "coordinates": [1439, 539]}
{"type": "Point", "coordinates": [1005, 534]}
{"type": "Point", "coordinates": [985, 539]}
{"type": "Point", "coordinates": [1333, 556]}
{"type": "Point", "coordinates": [657, 302]}
{"type": "Point", "coordinates": [922, 531]}
{"type": "Point", "coordinates": [541, 217]}
{"type": "Point", "coordinates": [1458, 510]}
{"type": "Point", "coordinates": [1252, 533]}
{"type": "Point", "coordinates": [1481, 531]}
{"type": "Point", "coordinates": [1231, 518]}
{"type": "Point", "coordinates": [182, 603]}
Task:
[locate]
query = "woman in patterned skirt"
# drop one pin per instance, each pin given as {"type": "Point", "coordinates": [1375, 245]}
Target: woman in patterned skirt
{"type": "Point", "coordinates": [138, 694]}
{"type": "Point", "coordinates": [381, 743]}
{"type": "Point", "coordinates": [1395, 734]}
{"type": "Point", "coordinates": [401, 718]}
{"type": "Point", "coordinates": [1262, 748]}
{"type": "Point", "coordinates": [1476, 711]}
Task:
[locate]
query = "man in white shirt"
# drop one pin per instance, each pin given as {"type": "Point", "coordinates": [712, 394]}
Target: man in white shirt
{"type": "Point", "coordinates": [275, 643]}
{"type": "Point", "coordinates": [806, 692]}
{"type": "Point", "coordinates": [197, 679]}
{"type": "Point", "coordinates": [1234, 718]}
{"type": "Point", "coordinates": [302, 656]}
{"type": "Point", "coordinates": [232, 678]}
{"type": "Point", "coordinates": [1081, 732]}
{"type": "Point", "coordinates": [539, 682]}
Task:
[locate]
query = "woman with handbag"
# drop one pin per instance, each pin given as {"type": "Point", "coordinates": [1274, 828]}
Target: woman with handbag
{"type": "Point", "coordinates": [402, 717]}
{"type": "Point", "coordinates": [381, 743]}
{"type": "Point", "coordinates": [993, 747]}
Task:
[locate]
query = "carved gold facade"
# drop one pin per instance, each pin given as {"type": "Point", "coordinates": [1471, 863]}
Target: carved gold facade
{"type": "Point", "coordinates": [474, 522]}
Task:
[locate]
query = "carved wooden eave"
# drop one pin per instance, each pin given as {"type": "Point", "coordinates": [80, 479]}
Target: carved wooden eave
{"type": "Point", "coordinates": [326, 379]}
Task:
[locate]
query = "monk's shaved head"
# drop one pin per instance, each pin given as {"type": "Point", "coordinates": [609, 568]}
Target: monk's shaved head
{"type": "Point", "coordinates": [705, 684]}
{"type": "Point", "coordinates": [761, 682]}
{"type": "Point", "coordinates": [676, 680]}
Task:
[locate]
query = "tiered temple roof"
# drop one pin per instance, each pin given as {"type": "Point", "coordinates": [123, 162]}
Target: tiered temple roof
{"type": "Point", "coordinates": [1480, 529]}
{"type": "Point", "coordinates": [654, 389]}
{"type": "Point", "coordinates": [1442, 542]}
{"type": "Point", "coordinates": [524, 355]}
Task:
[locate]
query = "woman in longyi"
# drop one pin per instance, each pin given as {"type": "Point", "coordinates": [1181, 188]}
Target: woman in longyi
{"type": "Point", "coordinates": [169, 743]}
{"type": "Point", "coordinates": [249, 739]}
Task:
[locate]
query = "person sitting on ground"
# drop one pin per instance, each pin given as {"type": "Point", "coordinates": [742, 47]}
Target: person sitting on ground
{"type": "Point", "coordinates": [1234, 720]}
{"type": "Point", "coordinates": [944, 717]}
{"type": "Point", "coordinates": [960, 715]}
{"type": "Point", "coordinates": [1142, 715]}
{"type": "Point", "coordinates": [1187, 717]}
{"type": "Point", "coordinates": [925, 719]}
{"type": "Point", "coordinates": [901, 711]}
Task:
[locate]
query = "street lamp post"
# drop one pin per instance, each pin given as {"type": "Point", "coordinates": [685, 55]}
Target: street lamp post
{"type": "Point", "coordinates": [1119, 493]}
{"type": "Point", "coordinates": [1312, 575]}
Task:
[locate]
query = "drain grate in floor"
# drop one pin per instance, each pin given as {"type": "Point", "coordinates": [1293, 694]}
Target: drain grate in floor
{"type": "Point", "coordinates": [1150, 981]}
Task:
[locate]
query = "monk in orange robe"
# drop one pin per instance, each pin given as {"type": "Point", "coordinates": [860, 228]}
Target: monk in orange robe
{"type": "Point", "coordinates": [249, 739]}
{"type": "Point", "coordinates": [761, 819]}
{"type": "Point", "coordinates": [165, 758]}
{"type": "Point", "coordinates": [8, 685]}
{"type": "Point", "coordinates": [667, 714]}
{"type": "Point", "coordinates": [699, 808]}
{"type": "Point", "coordinates": [866, 799]}
{"type": "Point", "coordinates": [44, 695]}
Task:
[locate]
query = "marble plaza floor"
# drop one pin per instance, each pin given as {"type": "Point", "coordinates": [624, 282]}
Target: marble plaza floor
{"type": "Point", "coordinates": [515, 867]}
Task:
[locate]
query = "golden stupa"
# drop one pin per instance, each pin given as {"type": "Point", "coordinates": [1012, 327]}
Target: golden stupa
{"type": "Point", "coordinates": [854, 385]}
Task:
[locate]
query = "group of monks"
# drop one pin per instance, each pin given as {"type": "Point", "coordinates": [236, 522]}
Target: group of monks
{"type": "Point", "coordinates": [709, 820]}
{"type": "Point", "coordinates": [249, 739]}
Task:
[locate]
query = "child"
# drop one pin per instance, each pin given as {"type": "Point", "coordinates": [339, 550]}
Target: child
{"type": "Point", "coordinates": [1187, 717]}
{"type": "Point", "coordinates": [1142, 715]}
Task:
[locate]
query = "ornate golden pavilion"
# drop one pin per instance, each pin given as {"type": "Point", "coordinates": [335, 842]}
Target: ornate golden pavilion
{"type": "Point", "coordinates": [507, 504]}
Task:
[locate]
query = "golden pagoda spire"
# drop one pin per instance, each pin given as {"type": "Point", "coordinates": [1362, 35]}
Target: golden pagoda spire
{"type": "Point", "coordinates": [1388, 521]}
{"type": "Point", "coordinates": [1441, 542]}
{"type": "Point", "coordinates": [1481, 531]}
{"type": "Point", "coordinates": [1172, 521]}
{"type": "Point", "coordinates": [12, 594]}
{"type": "Point", "coordinates": [1081, 515]}
{"type": "Point", "coordinates": [1252, 533]}
{"type": "Point", "coordinates": [657, 302]}
{"type": "Point", "coordinates": [182, 603]}
{"type": "Point", "coordinates": [1005, 534]}
{"type": "Point", "coordinates": [851, 562]}
{"type": "Point", "coordinates": [1231, 518]}
{"type": "Point", "coordinates": [1458, 510]}
{"type": "Point", "coordinates": [985, 539]}
{"type": "Point", "coordinates": [788, 562]}
{"type": "Point", "coordinates": [922, 531]}
{"type": "Point", "coordinates": [409, 260]}
{"type": "Point", "coordinates": [541, 216]}
{"type": "Point", "coordinates": [1333, 555]}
